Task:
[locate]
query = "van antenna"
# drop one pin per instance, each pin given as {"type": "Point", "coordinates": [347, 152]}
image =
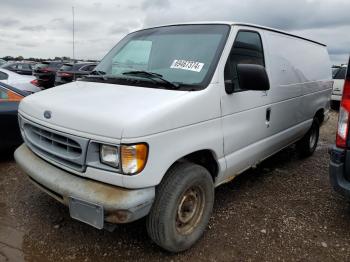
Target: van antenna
{"type": "Point", "coordinates": [73, 34]}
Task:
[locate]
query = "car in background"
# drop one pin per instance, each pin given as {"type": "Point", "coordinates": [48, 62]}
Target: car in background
{"type": "Point", "coordinates": [45, 73]}
{"type": "Point", "coordinates": [339, 169]}
{"type": "Point", "coordinates": [2, 62]}
{"type": "Point", "coordinates": [338, 78]}
{"type": "Point", "coordinates": [10, 135]}
{"type": "Point", "coordinates": [21, 82]}
{"type": "Point", "coordinates": [20, 68]}
{"type": "Point", "coordinates": [70, 72]}
{"type": "Point", "coordinates": [335, 70]}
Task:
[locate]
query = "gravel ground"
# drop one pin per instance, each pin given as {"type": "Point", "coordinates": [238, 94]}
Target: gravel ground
{"type": "Point", "coordinates": [283, 210]}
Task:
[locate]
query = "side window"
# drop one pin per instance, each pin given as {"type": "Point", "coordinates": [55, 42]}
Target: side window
{"type": "Point", "coordinates": [91, 68]}
{"type": "Point", "coordinates": [3, 94]}
{"type": "Point", "coordinates": [3, 76]}
{"type": "Point", "coordinates": [26, 67]}
{"type": "Point", "coordinates": [87, 68]}
{"type": "Point", "coordinates": [340, 75]}
{"type": "Point", "coordinates": [247, 49]}
{"type": "Point", "coordinates": [83, 68]}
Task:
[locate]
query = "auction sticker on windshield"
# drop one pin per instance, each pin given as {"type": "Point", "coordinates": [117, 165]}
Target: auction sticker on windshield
{"type": "Point", "coordinates": [187, 65]}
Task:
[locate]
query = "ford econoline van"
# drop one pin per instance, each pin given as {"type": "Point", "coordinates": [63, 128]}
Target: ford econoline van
{"type": "Point", "coordinates": [169, 114]}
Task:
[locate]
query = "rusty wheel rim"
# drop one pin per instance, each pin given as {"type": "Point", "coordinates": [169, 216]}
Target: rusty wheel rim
{"type": "Point", "coordinates": [190, 210]}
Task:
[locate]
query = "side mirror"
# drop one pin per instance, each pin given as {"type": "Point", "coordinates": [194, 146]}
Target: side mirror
{"type": "Point", "coordinates": [252, 77]}
{"type": "Point", "coordinates": [229, 86]}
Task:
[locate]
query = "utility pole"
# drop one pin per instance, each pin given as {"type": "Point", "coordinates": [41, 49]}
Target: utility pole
{"type": "Point", "coordinates": [73, 34]}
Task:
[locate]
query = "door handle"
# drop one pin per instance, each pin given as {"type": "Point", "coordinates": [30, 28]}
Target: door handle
{"type": "Point", "coordinates": [268, 116]}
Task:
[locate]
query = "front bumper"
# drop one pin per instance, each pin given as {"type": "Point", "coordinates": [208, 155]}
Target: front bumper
{"type": "Point", "coordinates": [120, 205]}
{"type": "Point", "coordinates": [337, 172]}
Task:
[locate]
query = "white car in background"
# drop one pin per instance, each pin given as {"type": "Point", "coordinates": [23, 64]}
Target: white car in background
{"type": "Point", "coordinates": [339, 78]}
{"type": "Point", "coordinates": [21, 82]}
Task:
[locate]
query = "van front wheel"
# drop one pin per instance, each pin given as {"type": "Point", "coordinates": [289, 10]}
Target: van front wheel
{"type": "Point", "coordinates": [182, 207]}
{"type": "Point", "coordinates": [307, 145]}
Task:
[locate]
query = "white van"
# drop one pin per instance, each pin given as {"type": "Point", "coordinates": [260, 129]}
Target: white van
{"type": "Point", "coordinates": [169, 114]}
{"type": "Point", "coordinates": [339, 79]}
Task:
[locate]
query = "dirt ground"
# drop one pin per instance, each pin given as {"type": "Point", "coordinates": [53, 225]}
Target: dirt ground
{"type": "Point", "coordinates": [283, 210]}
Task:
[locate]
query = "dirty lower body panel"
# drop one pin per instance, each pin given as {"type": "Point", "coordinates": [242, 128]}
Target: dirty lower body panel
{"type": "Point", "coordinates": [89, 201]}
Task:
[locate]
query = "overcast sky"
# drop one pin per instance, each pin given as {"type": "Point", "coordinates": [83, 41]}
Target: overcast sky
{"type": "Point", "coordinates": [43, 28]}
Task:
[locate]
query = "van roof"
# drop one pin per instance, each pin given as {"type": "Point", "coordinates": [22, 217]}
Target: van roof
{"type": "Point", "coordinates": [244, 24]}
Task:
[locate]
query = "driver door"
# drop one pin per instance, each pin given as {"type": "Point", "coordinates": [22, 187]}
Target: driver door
{"type": "Point", "coordinates": [245, 113]}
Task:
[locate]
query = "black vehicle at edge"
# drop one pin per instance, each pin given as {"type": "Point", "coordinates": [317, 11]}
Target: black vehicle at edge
{"type": "Point", "coordinates": [339, 169]}
{"type": "Point", "coordinates": [45, 73]}
{"type": "Point", "coordinates": [70, 72]}
{"type": "Point", "coordinates": [10, 135]}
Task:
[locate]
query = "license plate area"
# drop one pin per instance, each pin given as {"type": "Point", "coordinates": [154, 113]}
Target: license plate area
{"type": "Point", "coordinates": [89, 213]}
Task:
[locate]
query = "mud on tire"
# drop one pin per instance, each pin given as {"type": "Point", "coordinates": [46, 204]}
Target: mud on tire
{"type": "Point", "coordinates": [182, 207]}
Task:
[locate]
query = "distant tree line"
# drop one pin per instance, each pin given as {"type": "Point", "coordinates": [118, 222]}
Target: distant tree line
{"type": "Point", "coordinates": [63, 58]}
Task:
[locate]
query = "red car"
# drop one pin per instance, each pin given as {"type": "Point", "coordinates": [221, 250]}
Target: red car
{"type": "Point", "coordinates": [70, 72]}
{"type": "Point", "coordinates": [45, 73]}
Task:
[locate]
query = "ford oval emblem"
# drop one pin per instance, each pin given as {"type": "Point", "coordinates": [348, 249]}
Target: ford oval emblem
{"type": "Point", "coordinates": [47, 114]}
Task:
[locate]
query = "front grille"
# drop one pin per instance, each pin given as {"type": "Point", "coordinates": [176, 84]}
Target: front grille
{"type": "Point", "coordinates": [54, 142]}
{"type": "Point", "coordinates": [63, 148]}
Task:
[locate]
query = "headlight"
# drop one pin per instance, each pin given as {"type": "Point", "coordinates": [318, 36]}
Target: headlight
{"type": "Point", "coordinates": [133, 158]}
{"type": "Point", "coordinates": [109, 155]}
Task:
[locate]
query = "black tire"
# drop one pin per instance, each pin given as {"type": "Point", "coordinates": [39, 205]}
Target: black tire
{"type": "Point", "coordinates": [307, 145]}
{"type": "Point", "coordinates": [163, 223]}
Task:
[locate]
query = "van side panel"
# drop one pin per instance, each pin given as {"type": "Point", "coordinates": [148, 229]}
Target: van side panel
{"type": "Point", "coordinates": [300, 76]}
{"type": "Point", "coordinates": [300, 79]}
{"type": "Point", "coordinates": [300, 84]}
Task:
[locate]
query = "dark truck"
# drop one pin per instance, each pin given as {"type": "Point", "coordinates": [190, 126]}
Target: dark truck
{"type": "Point", "coordinates": [70, 72]}
{"type": "Point", "coordinates": [340, 153]}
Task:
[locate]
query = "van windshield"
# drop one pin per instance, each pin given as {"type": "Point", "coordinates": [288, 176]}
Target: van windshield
{"type": "Point", "coordinates": [184, 55]}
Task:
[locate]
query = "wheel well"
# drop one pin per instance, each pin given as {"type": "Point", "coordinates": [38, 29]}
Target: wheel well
{"type": "Point", "coordinates": [320, 115]}
{"type": "Point", "coordinates": [204, 158]}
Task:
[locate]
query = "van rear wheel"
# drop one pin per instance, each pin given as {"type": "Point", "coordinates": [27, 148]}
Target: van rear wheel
{"type": "Point", "coordinates": [182, 207]}
{"type": "Point", "coordinates": [307, 145]}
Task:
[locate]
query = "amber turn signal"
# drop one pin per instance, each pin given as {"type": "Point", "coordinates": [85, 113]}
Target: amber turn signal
{"type": "Point", "coordinates": [133, 158]}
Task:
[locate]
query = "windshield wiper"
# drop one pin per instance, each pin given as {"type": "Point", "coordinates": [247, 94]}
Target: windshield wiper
{"type": "Point", "coordinates": [152, 76]}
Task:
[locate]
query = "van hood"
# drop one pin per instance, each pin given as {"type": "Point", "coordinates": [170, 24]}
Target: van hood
{"type": "Point", "coordinates": [113, 111]}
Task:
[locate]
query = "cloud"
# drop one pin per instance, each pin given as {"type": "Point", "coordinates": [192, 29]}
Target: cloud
{"type": "Point", "coordinates": [28, 26]}
{"type": "Point", "coordinates": [34, 28]}
{"type": "Point", "coordinates": [124, 28]}
{"type": "Point", "coordinates": [156, 4]}
{"type": "Point", "coordinates": [118, 30]}
{"type": "Point", "coordinates": [27, 44]}
{"type": "Point", "coordinates": [8, 22]}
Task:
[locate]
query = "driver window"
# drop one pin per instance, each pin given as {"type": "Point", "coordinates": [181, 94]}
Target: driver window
{"type": "Point", "coordinates": [247, 49]}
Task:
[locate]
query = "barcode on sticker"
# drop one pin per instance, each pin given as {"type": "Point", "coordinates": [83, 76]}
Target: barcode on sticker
{"type": "Point", "coordinates": [187, 65]}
